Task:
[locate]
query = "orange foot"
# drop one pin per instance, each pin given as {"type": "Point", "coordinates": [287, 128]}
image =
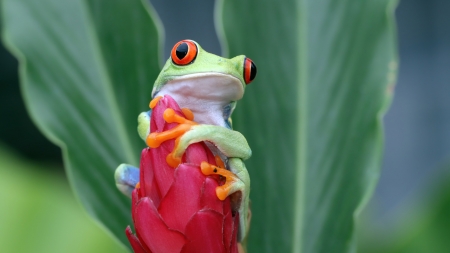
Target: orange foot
{"type": "Point", "coordinates": [154, 139]}
{"type": "Point", "coordinates": [231, 179]}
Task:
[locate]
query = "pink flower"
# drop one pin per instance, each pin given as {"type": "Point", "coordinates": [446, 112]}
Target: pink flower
{"type": "Point", "coordinates": [177, 210]}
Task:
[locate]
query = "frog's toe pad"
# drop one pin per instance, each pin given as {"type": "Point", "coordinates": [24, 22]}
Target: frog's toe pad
{"type": "Point", "coordinates": [173, 160]}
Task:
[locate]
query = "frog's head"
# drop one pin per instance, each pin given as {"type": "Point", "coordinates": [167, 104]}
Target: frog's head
{"type": "Point", "coordinates": [207, 84]}
{"type": "Point", "coordinates": [193, 72]}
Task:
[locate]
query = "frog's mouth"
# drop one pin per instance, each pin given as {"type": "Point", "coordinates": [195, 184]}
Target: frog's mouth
{"type": "Point", "coordinates": [205, 94]}
{"type": "Point", "coordinates": [210, 85]}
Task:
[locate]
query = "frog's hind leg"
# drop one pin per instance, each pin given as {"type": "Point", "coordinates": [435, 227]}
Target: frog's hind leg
{"type": "Point", "coordinates": [236, 179]}
{"type": "Point", "coordinates": [126, 176]}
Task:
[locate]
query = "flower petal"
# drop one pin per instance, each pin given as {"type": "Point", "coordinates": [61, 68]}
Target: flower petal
{"type": "Point", "coordinates": [233, 245]}
{"type": "Point", "coordinates": [153, 232]}
{"type": "Point", "coordinates": [156, 159]}
{"type": "Point", "coordinates": [157, 122]}
{"type": "Point", "coordinates": [134, 241]}
{"type": "Point", "coordinates": [197, 153]}
{"type": "Point", "coordinates": [147, 186]}
{"type": "Point", "coordinates": [229, 225]}
{"type": "Point", "coordinates": [209, 199]}
{"type": "Point", "coordinates": [231, 229]}
{"type": "Point", "coordinates": [182, 200]}
{"type": "Point", "coordinates": [134, 199]}
{"type": "Point", "coordinates": [204, 233]}
{"type": "Point", "coordinates": [163, 173]}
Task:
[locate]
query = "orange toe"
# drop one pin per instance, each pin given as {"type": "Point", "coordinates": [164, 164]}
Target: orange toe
{"type": "Point", "coordinates": [173, 161]}
{"type": "Point", "coordinates": [222, 191]}
{"type": "Point", "coordinates": [154, 102]}
{"type": "Point", "coordinates": [188, 113]}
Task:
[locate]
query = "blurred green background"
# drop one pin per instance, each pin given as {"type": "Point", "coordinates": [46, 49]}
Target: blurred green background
{"type": "Point", "coordinates": [408, 213]}
{"type": "Point", "coordinates": [38, 207]}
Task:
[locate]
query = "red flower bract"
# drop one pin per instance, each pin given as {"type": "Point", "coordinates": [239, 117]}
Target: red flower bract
{"type": "Point", "coordinates": [177, 210]}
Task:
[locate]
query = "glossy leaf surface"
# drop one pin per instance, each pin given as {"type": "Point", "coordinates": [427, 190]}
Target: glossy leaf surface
{"type": "Point", "coordinates": [87, 69]}
{"type": "Point", "coordinates": [312, 116]}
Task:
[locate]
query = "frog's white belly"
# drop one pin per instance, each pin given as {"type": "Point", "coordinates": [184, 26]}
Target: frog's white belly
{"type": "Point", "coordinates": [205, 94]}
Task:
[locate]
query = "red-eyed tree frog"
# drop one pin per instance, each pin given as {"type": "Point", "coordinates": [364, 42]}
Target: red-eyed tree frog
{"type": "Point", "coordinates": [209, 86]}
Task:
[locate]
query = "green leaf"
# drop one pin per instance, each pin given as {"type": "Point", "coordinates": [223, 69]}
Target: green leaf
{"type": "Point", "coordinates": [87, 70]}
{"type": "Point", "coordinates": [326, 71]}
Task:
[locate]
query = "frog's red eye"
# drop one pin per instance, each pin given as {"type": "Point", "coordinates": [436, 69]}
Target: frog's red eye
{"type": "Point", "coordinates": [184, 52]}
{"type": "Point", "coordinates": [249, 70]}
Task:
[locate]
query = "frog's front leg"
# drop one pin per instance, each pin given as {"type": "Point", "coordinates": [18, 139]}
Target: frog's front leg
{"type": "Point", "coordinates": [126, 176]}
{"type": "Point", "coordinates": [237, 179]}
{"type": "Point", "coordinates": [230, 143]}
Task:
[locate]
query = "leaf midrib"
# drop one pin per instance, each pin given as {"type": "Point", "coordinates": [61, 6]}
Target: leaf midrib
{"type": "Point", "coordinates": [301, 158]}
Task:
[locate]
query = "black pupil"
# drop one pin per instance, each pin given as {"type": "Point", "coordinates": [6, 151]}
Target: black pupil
{"type": "Point", "coordinates": [252, 72]}
{"type": "Point", "coordinates": [182, 50]}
